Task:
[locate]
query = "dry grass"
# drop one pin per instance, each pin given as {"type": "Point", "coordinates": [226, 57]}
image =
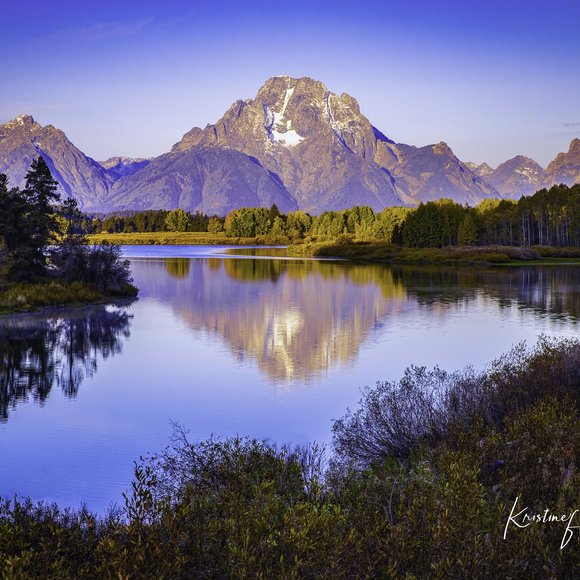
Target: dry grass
{"type": "Point", "coordinates": [183, 238]}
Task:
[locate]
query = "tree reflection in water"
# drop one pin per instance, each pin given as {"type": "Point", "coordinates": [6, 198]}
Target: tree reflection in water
{"type": "Point", "coordinates": [39, 353]}
{"type": "Point", "coordinates": [178, 267]}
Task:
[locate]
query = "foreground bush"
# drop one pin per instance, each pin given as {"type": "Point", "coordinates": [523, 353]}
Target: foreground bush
{"type": "Point", "coordinates": [421, 483]}
{"type": "Point", "coordinates": [431, 406]}
{"type": "Point", "coordinates": [99, 267]}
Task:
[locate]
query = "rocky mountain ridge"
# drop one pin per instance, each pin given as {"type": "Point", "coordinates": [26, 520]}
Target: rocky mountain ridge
{"type": "Point", "coordinates": [23, 139]}
{"type": "Point", "coordinates": [516, 177]}
{"type": "Point", "coordinates": [565, 168]}
{"type": "Point", "coordinates": [295, 144]}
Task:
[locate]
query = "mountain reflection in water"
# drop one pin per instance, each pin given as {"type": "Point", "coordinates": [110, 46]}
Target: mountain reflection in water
{"type": "Point", "coordinates": [38, 353]}
{"type": "Point", "coordinates": [299, 318]}
{"type": "Point", "coordinates": [295, 318]}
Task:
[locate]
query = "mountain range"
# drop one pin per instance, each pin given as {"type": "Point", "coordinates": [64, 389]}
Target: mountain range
{"type": "Point", "coordinates": [296, 144]}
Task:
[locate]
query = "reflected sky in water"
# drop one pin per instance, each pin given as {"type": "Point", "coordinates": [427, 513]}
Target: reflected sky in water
{"type": "Point", "coordinates": [270, 348]}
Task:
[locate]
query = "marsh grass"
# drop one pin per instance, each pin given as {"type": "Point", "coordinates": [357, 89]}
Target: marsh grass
{"type": "Point", "coordinates": [185, 238]}
{"type": "Point", "coordinates": [22, 297]}
{"type": "Point", "coordinates": [448, 256]}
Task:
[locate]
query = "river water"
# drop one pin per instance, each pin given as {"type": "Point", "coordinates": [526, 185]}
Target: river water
{"type": "Point", "coordinates": [240, 344]}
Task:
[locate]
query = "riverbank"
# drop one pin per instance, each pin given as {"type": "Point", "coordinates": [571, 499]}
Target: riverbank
{"type": "Point", "coordinates": [448, 256]}
{"type": "Point", "coordinates": [28, 297]}
{"type": "Point", "coordinates": [184, 239]}
{"type": "Point", "coordinates": [359, 251]}
{"type": "Point", "coordinates": [417, 486]}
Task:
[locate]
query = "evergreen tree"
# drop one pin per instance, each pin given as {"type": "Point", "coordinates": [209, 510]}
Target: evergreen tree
{"type": "Point", "coordinates": [74, 218]}
{"type": "Point", "coordinates": [13, 208]}
{"type": "Point", "coordinates": [40, 221]}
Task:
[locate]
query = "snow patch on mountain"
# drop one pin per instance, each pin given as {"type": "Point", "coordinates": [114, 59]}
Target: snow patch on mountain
{"type": "Point", "coordinates": [337, 127]}
{"type": "Point", "coordinates": [279, 131]}
{"type": "Point", "coordinates": [289, 138]}
{"type": "Point", "coordinates": [528, 172]}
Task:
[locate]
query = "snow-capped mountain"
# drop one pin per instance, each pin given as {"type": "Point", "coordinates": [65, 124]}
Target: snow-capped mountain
{"type": "Point", "coordinates": [121, 166]}
{"type": "Point", "coordinates": [327, 153]}
{"type": "Point", "coordinates": [296, 144]}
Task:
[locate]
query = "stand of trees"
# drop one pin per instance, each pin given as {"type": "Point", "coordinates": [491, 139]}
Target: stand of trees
{"type": "Point", "coordinates": [42, 239]}
{"type": "Point", "coordinates": [549, 217]}
{"type": "Point", "coordinates": [154, 220]}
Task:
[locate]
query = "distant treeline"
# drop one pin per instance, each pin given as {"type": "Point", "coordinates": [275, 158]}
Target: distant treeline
{"type": "Point", "coordinates": [549, 217]}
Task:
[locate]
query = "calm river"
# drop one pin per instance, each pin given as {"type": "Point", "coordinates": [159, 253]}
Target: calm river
{"type": "Point", "coordinates": [267, 347]}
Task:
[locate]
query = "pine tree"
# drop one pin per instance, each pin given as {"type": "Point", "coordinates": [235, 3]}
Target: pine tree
{"type": "Point", "coordinates": [40, 220]}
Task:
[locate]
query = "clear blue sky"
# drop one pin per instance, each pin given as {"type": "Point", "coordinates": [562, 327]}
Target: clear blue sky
{"type": "Point", "coordinates": [493, 79]}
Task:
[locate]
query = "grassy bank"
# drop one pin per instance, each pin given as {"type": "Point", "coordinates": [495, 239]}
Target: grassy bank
{"type": "Point", "coordinates": [363, 251]}
{"type": "Point", "coordinates": [186, 239]}
{"type": "Point", "coordinates": [20, 297]}
{"type": "Point", "coordinates": [449, 256]}
{"type": "Point", "coordinates": [420, 483]}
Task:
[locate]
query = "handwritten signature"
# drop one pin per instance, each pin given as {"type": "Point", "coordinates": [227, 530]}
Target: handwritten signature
{"type": "Point", "coordinates": [523, 519]}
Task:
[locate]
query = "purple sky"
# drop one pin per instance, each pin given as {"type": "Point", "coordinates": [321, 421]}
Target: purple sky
{"type": "Point", "coordinates": [493, 79]}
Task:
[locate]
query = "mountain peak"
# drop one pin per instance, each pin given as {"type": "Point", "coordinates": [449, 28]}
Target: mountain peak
{"type": "Point", "coordinates": [565, 168]}
{"type": "Point", "coordinates": [288, 81]}
{"type": "Point", "coordinates": [23, 120]}
{"type": "Point", "coordinates": [304, 86]}
{"type": "Point", "coordinates": [442, 148]}
{"type": "Point", "coordinates": [517, 176]}
{"type": "Point", "coordinates": [520, 160]}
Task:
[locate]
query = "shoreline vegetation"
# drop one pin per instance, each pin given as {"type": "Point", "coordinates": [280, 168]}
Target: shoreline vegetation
{"type": "Point", "coordinates": [445, 256]}
{"type": "Point", "coordinates": [540, 229]}
{"type": "Point", "coordinates": [51, 294]}
{"type": "Point", "coordinates": [44, 258]}
{"type": "Point", "coordinates": [420, 481]}
{"type": "Point", "coordinates": [345, 247]}
{"type": "Point", "coordinates": [184, 239]}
